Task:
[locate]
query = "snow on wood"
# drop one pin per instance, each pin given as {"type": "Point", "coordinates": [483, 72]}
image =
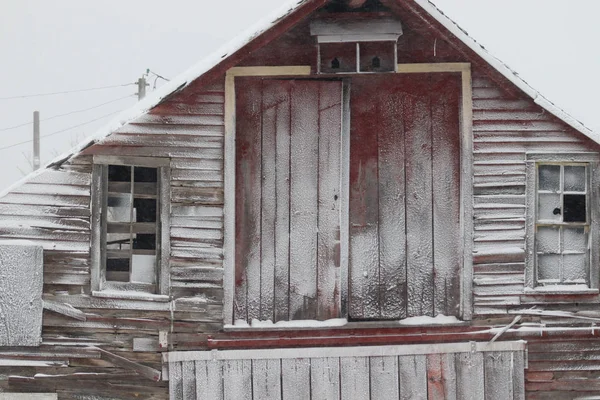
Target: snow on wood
{"type": "Point", "coordinates": [306, 323]}
{"type": "Point", "coordinates": [440, 319]}
{"type": "Point", "coordinates": [21, 281]}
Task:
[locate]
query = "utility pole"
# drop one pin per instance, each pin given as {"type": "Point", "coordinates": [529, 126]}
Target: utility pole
{"type": "Point", "coordinates": [141, 87]}
{"type": "Point", "coordinates": [36, 140]}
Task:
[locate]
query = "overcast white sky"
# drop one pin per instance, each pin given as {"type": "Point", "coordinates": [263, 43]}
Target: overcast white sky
{"type": "Point", "coordinates": [62, 45]}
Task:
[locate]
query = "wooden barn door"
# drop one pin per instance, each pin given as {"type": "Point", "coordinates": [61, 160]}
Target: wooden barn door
{"type": "Point", "coordinates": [287, 199]}
{"type": "Point", "coordinates": [404, 196]}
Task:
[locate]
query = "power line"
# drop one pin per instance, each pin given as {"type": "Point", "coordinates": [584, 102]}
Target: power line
{"type": "Point", "coordinates": [61, 131]}
{"type": "Point", "coordinates": [65, 92]}
{"type": "Point", "coordinates": [64, 115]}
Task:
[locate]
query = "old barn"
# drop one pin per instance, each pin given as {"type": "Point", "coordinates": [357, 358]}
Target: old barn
{"type": "Point", "coordinates": [356, 201]}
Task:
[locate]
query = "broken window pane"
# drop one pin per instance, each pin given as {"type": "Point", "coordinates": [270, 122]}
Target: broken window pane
{"type": "Point", "coordinates": [119, 173]}
{"type": "Point", "coordinates": [144, 241]}
{"type": "Point", "coordinates": [117, 269]}
{"type": "Point", "coordinates": [574, 179]}
{"type": "Point", "coordinates": [143, 174]}
{"type": "Point", "coordinates": [145, 210]}
{"type": "Point", "coordinates": [548, 240]}
{"type": "Point", "coordinates": [549, 177]}
{"type": "Point", "coordinates": [574, 208]}
{"type": "Point", "coordinates": [549, 207]}
{"type": "Point", "coordinates": [118, 208]}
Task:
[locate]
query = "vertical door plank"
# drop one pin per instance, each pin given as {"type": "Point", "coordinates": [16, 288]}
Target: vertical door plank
{"type": "Point", "coordinates": [392, 224]}
{"type": "Point", "coordinates": [328, 252]}
{"type": "Point", "coordinates": [303, 200]}
{"type": "Point", "coordinates": [247, 215]}
{"type": "Point", "coordinates": [237, 380]}
{"type": "Point", "coordinates": [325, 378]}
{"type": "Point", "coordinates": [175, 381]}
{"type": "Point", "coordinates": [441, 376]}
{"type": "Point", "coordinates": [266, 379]}
{"type": "Point", "coordinates": [518, 375]}
{"type": "Point", "coordinates": [384, 378]}
{"type": "Point", "coordinates": [188, 370]}
{"type": "Point", "coordinates": [282, 192]}
{"type": "Point", "coordinates": [355, 378]}
{"type": "Point", "coordinates": [469, 376]}
{"type": "Point", "coordinates": [268, 200]}
{"type": "Point", "coordinates": [498, 370]}
{"type": "Point", "coordinates": [445, 92]}
{"type": "Point", "coordinates": [364, 204]}
{"type": "Point", "coordinates": [419, 224]}
{"type": "Point", "coordinates": [209, 380]}
{"type": "Point", "coordinates": [413, 377]}
{"type": "Point", "coordinates": [295, 378]}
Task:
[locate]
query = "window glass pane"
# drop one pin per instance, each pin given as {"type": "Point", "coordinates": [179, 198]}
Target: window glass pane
{"type": "Point", "coordinates": [118, 208]}
{"type": "Point", "coordinates": [117, 241]}
{"type": "Point", "coordinates": [549, 207]}
{"type": "Point", "coordinates": [144, 241]}
{"type": "Point", "coordinates": [143, 174]}
{"type": "Point", "coordinates": [549, 177]}
{"type": "Point", "coordinates": [574, 179]}
{"type": "Point", "coordinates": [145, 210]}
{"type": "Point", "coordinates": [574, 208]}
{"type": "Point", "coordinates": [574, 268]}
{"type": "Point", "coordinates": [143, 268]}
{"type": "Point", "coordinates": [549, 267]}
{"type": "Point", "coordinates": [548, 240]}
{"type": "Point", "coordinates": [119, 173]}
{"type": "Point", "coordinates": [117, 269]}
{"type": "Point", "coordinates": [574, 240]}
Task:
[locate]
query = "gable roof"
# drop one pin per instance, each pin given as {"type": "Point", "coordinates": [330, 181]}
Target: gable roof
{"type": "Point", "coordinates": [292, 9]}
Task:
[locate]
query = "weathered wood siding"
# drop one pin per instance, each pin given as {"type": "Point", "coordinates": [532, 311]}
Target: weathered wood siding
{"type": "Point", "coordinates": [378, 373]}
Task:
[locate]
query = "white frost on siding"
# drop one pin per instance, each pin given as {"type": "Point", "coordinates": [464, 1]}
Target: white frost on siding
{"type": "Point", "coordinates": [21, 281]}
{"type": "Point", "coordinates": [425, 320]}
{"type": "Point", "coordinates": [309, 323]}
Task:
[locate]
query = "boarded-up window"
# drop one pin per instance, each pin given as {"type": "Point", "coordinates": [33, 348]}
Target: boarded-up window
{"type": "Point", "coordinates": [400, 174]}
{"type": "Point", "coordinates": [21, 281]}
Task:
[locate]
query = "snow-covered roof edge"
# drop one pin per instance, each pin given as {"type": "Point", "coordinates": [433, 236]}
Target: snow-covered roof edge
{"type": "Point", "coordinates": [176, 84]}
{"type": "Point", "coordinates": [505, 70]}
{"type": "Point", "coordinates": [289, 6]}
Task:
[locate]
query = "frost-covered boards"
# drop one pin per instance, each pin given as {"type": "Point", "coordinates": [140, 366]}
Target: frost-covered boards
{"type": "Point", "coordinates": [295, 205]}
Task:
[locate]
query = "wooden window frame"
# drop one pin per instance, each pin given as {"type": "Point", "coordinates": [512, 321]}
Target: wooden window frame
{"type": "Point", "coordinates": [591, 161]}
{"type": "Point", "coordinates": [99, 285]}
{"type": "Point", "coordinates": [466, 165]}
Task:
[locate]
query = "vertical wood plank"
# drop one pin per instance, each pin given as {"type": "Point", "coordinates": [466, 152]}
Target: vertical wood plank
{"type": "Point", "coordinates": [266, 379]}
{"type": "Point", "coordinates": [328, 252]}
{"type": "Point", "coordinates": [282, 212]}
{"type": "Point", "coordinates": [364, 204]}
{"type": "Point", "coordinates": [164, 277]}
{"type": "Point", "coordinates": [188, 372]}
{"type": "Point", "coordinates": [295, 378]}
{"type": "Point", "coordinates": [384, 378]}
{"type": "Point", "coordinates": [325, 378]}
{"type": "Point", "coordinates": [441, 376]}
{"type": "Point", "coordinates": [419, 201]}
{"type": "Point", "coordinates": [498, 375]}
{"type": "Point", "coordinates": [447, 238]}
{"type": "Point", "coordinates": [392, 218]}
{"type": "Point", "coordinates": [209, 380]}
{"type": "Point", "coordinates": [413, 377]}
{"type": "Point", "coordinates": [469, 376]}
{"type": "Point", "coordinates": [96, 224]}
{"type": "Point", "coordinates": [237, 380]}
{"type": "Point", "coordinates": [175, 381]}
{"type": "Point", "coordinates": [355, 377]}
{"type": "Point", "coordinates": [248, 179]}
{"type": "Point", "coordinates": [518, 374]}
{"type": "Point", "coordinates": [303, 200]}
{"type": "Point", "coordinates": [268, 201]}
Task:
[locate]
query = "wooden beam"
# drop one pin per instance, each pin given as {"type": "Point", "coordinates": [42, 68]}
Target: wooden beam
{"type": "Point", "coordinates": [64, 309]}
{"type": "Point", "coordinates": [122, 362]}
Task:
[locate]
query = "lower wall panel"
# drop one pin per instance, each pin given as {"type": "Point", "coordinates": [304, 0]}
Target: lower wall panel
{"type": "Point", "coordinates": [448, 371]}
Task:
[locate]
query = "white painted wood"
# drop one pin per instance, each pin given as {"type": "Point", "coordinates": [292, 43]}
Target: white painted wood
{"type": "Point", "coordinates": [266, 379]}
{"type": "Point", "coordinates": [345, 198]}
{"type": "Point", "coordinates": [325, 378]}
{"type": "Point", "coordinates": [188, 372]}
{"type": "Point", "coordinates": [154, 162]}
{"type": "Point", "coordinates": [209, 380]}
{"type": "Point", "coordinates": [356, 27]}
{"type": "Point", "coordinates": [355, 378]}
{"type": "Point", "coordinates": [384, 377]}
{"type": "Point", "coordinates": [237, 380]}
{"type": "Point", "coordinates": [175, 381]}
{"type": "Point", "coordinates": [28, 396]}
{"type": "Point", "coordinates": [295, 378]}
{"type": "Point", "coordinates": [469, 376]}
{"type": "Point", "coordinates": [365, 351]}
{"type": "Point", "coordinates": [498, 370]}
{"type": "Point", "coordinates": [229, 202]}
{"type": "Point", "coordinates": [413, 377]}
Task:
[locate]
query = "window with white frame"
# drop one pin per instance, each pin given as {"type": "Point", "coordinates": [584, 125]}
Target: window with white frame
{"type": "Point", "coordinates": [128, 241]}
{"type": "Point", "coordinates": [562, 224]}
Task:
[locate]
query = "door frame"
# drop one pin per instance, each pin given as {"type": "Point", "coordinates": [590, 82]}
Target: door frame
{"type": "Point", "coordinates": [466, 165]}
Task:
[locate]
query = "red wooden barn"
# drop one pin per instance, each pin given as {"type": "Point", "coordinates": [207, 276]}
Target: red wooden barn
{"type": "Point", "coordinates": [356, 201]}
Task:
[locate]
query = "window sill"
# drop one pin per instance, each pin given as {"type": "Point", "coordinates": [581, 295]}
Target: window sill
{"type": "Point", "coordinates": [561, 290]}
{"type": "Point", "coordinates": [108, 294]}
